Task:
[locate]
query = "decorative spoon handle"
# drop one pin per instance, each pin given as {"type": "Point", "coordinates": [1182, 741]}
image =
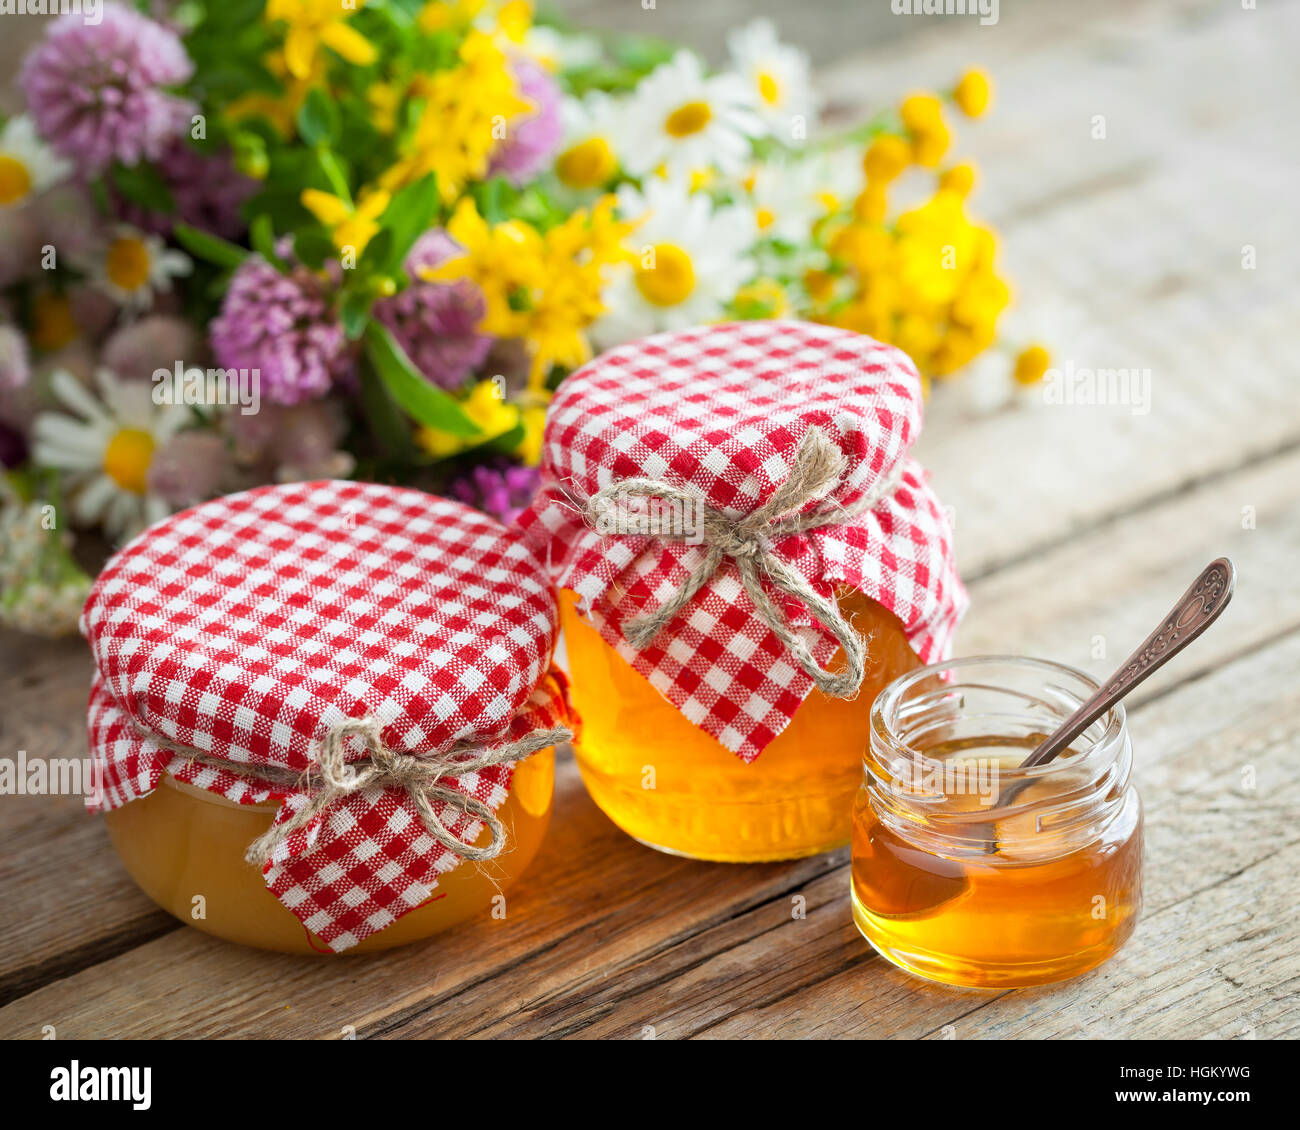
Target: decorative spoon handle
{"type": "Point", "coordinates": [1198, 608]}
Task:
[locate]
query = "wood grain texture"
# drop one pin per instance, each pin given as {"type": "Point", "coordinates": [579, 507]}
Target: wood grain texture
{"type": "Point", "coordinates": [1076, 525]}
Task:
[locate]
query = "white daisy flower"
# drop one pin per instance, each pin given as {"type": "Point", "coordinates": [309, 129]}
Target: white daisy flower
{"type": "Point", "coordinates": [588, 157]}
{"type": "Point", "coordinates": [560, 52]}
{"type": "Point", "coordinates": [134, 265]}
{"type": "Point", "coordinates": [27, 165]}
{"type": "Point", "coordinates": [777, 78]}
{"type": "Point", "coordinates": [692, 259]}
{"type": "Point", "coordinates": [682, 120]}
{"type": "Point", "coordinates": [107, 445]}
{"type": "Point", "coordinates": [789, 197]}
{"type": "Point", "coordinates": [838, 177]}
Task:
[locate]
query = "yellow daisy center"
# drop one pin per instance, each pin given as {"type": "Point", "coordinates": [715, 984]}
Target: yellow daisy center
{"type": "Point", "coordinates": [127, 263]}
{"type": "Point", "coordinates": [672, 278]}
{"type": "Point", "coordinates": [769, 88]}
{"type": "Point", "coordinates": [588, 164]}
{"type": "Point", "coordinates": [127, 459]}
{"type": "Point", "coordinates": [765, 218]}
{"type": "Point", "coordinates": [15, 180]}
{"type": "Point", "coordinates": [688, 119]}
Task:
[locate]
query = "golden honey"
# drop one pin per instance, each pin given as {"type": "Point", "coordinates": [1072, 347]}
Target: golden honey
{"type": "Point", "coordinates": [185, 848]}
{"type": "Point", "coordinates": [971, 871]}
{"type": "Point", "coordinates": [676, 788]}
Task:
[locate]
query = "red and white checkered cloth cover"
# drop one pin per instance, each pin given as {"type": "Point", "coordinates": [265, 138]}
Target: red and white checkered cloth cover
{"type": "Point", "coordinates": [249, 626]}
{"type": "Point", "coordinates": [719, 411]}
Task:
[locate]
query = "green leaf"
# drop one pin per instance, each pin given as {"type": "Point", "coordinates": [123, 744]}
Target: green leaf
{"type": "Point", "coordinates": [388, 426]}
{"type": "Point", "coordinates": [143, 185]}
{"type": "Point", "coordinates": [262, 236]}
{"type": "Point", "coordinates": [494, 199]}
{"type": "Point", "coordinates": [210, 248]}
{"type": "Point", "coordinates": [318, 119]}
{"type": "Point", "coordinates": [312, 246]}
{"type": "Point", "coordinates": [354, 313]}
{"type": "Point", "coordinates": [423, 402]}
{"type": "Point", "coordinates": [377, 253]}
{"type": "Point", "coordinates": [412, 211]}
{"type": "Point", "coordinates": [329, 165]}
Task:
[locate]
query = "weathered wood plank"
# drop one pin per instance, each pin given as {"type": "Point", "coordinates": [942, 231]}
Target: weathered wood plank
{"type": "Point", "coordinates": [65, 905]}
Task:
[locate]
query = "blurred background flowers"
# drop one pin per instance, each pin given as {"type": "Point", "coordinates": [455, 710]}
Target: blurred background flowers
{"type": "Point", "coordinates": [412, 220]}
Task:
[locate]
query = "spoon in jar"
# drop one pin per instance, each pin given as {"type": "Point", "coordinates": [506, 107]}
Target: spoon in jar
{"type": "Point", "coordinates": [1195, 611]}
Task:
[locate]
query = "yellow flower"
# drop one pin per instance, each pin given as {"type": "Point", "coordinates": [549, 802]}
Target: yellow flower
{"type": "Point", "coordinates": [922, 115]}
{"type": "Point", "coordinates": [959, 180]}
{"type": "Point", "coordinates": [929, 147]}
{"type": "Point", "coordinates": [385, 98]}
{"type": "Point", "coordinates": [440, 15]}
{"type": "Point", "coordinates": [533, 419]}
{"type": "Point", "coordinates": [819, 284]}
{"type": "Point", "coordinates": [886, 158]}
{"type": "Point", "coordinates": [982, 298]}
{"type": "Point", "coordinates": [314, 24]}
{"type": "Point", "coordinates": [867, 247]}
{"type": "Point", "coordinates": [545, 289]}
{"type": "Point", "coordinates": [459, 126]}
{"type": "Point", "coordinates": [514, 18]}
{"type": "Point", "coordinates": [1031, 365]}
{"type": "Point", "coordinates": [349, 225]}
{"type": "Point", "coordinates": [973, 93]}
{"type": "Point", "coordinates": [921, 112]}
{"type": "Point", "coordinates": [588, 164]}
{"type": "Point", "coordinates": [871, 203]}
{"type": "Point", "coordinates": [487, 409]}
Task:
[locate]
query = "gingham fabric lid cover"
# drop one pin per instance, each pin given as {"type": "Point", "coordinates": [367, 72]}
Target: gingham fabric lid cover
{"type": "Point", "coordinates": [247, 627]}
{"type": "Point", "coordinates": [720, 411]}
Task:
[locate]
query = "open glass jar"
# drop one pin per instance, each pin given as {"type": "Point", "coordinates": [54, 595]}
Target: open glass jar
{"type": "Point", "coordinates": [969, 870]}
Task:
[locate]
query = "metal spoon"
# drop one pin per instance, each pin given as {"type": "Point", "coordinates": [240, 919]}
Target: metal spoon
{"type": "Point", "coordinates": [1195, 611]}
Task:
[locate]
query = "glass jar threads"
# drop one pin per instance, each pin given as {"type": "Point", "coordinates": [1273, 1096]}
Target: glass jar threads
{"type": "Point", "coordinates": [321, 709]}
{"type": "Point", "coordinates": [746, 555]}
{"type": "Point", "coordinates": [969, 870]}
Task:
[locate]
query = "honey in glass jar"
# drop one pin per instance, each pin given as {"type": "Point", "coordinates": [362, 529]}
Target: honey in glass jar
{"type": "Point", "coordinates": [746, 555]}
{"type": "Point", "coordinates": [181, 841]}
{"type": "Point", "coordinates": [966, 868]}
{"type": "Point", "coordinates": [323, 714]}
{"type": "Point", "coordinates": [704, 802]}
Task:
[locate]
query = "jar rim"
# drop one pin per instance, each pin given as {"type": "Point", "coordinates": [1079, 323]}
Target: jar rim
{"type": "Point", "coordinates": [887, 708]}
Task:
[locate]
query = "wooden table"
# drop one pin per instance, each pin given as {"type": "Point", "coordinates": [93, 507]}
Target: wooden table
{"type": "Point", "coordinates": [1077, 527]}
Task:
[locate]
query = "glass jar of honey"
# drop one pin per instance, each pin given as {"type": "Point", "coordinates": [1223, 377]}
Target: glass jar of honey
{"type": "Point", "coordinates": [323, 715]}
{"type": "Point", "coordinates": [746, 553]}
{"type": "Point", "coordinates": [184, 847]}
{"type": "Point", "coordinates": [972, 871]}
{"type": "Point", "coordinates": [675, 787]}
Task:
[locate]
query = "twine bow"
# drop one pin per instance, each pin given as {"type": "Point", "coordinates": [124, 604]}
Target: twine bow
{"type": "Point", "coordinates": [332, 777]}
{"type": "Point", "coordinates": [748, 542]}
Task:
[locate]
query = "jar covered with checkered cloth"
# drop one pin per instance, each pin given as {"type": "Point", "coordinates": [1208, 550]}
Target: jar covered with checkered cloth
{"type": "Point", "coordinates": [746, 555]}
{"type": "Point", "coordinates": [323, 715]}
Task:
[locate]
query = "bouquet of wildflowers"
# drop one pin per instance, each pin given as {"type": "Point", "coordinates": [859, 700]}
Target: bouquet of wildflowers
{"type": "Point", "coordinates": [263, 240]}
